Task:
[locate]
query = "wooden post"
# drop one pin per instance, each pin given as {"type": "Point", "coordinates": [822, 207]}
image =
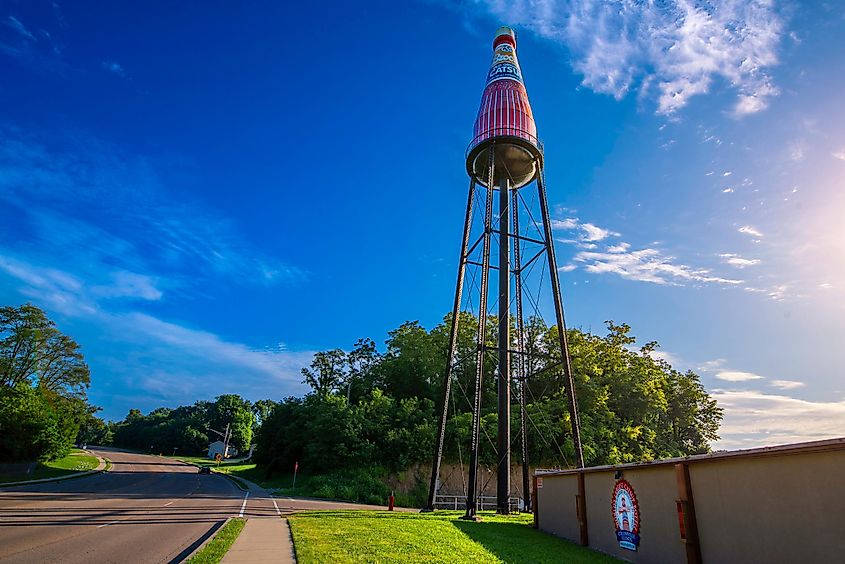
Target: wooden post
{"type": "Point", "coordinates": [686, 514]}
{"type": "Point", "coordinates": [581, 510]}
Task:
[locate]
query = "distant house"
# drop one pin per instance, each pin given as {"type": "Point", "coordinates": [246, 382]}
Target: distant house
{"type": "Point", "coordinates": [217, 447]}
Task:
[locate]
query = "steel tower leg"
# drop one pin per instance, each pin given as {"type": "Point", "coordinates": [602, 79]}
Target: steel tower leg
{"type": "Point", "coordinates": [503, 472]}
{"type": "Point", "coordinates": [561, 325]}
{"type": "Point", "coordinates": [520, 347]}
{"type": "Point", "coordinates": [450, 358]}
{"type": "Point", "coordinates": [481, 343]}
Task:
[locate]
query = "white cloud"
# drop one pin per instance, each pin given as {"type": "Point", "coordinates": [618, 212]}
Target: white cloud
{"type": "Point", "coordinates": [728, 190]}
{"type": "Point", "coordinates": [712, 365]}
{"type": "Point", "coordinates": [797, 150]}
{"type": "Point", "coordinates": [748, 230]}
{"type": "Point", "coordinates": [568, 223]}
{"type": "Point", "coordinates": [737, 261]}
{"type": "Point", "coordinates": [594, 233]}
{"type": "Point", "coordinates": [78, 293]}
{"type": "Point", "coordinates": [749, 104]}
{"type": "Point", "coordinates": [838, 155]}
{"type": "Point", "coordinates": [114, 68]}
{"type": "Point", "coordinates": [18, 26]}
{"type": "Point", "coordinates": [754, 419]}
{"type": "Point", "coordinates": [567, 268]}
{"type": "Point", "coordinates": [737, 376]}
{"type": "Point", "coordinates": [158, 361]}
{"type": "Point", "coordinates": [645, 265]}
{"type": "Point", "coordinates": [676, 48]}
{"type": "Point", "coordinates": [787, 384]}
{"type": "Point", "coordinates": [49, 187]}
{"type": "Point", "coordinates": [129, 285]}
{"type": "Point", "coordinates": [587, 233]}
{"type": "Point", "coordinates": [620, 248]}
{"type": "Point", "coordinates": [728, 173]}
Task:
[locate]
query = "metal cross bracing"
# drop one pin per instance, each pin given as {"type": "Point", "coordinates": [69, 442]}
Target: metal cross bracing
{"type": "Point", "coordinates": [511, 333]}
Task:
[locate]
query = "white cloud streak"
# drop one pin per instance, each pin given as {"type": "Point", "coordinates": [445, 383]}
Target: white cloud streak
{"type": "Point", "coordinates": [677, 48]}
{"type": "Point", "coordinates": [114, 68]}
{"type": "Point", "coordinates": [644, 265]}
{"type": "Point", "coordinates": [748, 230]}
{"type": "Point", "coordinates": [21, 29]}
{"type": "Point", "coordinates": [737, 376]}
{"type": "Point", "coordinates": [738, 261]}
{"type": "Point", "coordinates": [786, 384]}
{"type": "Point", "coordinates": [755, 419]}
{"type": "Point", "coordinates": [160, 362]}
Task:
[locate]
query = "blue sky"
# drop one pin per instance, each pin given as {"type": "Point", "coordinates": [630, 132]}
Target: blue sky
{"type": "Point", "coordinates": [203, 194]}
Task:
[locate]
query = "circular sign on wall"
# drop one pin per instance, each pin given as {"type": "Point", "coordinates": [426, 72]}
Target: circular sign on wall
{"type": "Point", "coordinates": [626, 515]}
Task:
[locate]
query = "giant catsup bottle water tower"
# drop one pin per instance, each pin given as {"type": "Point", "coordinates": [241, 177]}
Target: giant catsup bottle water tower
{"type": "Point", "coordinates": [504, 159]}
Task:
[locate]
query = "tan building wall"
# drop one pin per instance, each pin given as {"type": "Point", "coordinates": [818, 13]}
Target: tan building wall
{"type": "Point", "coordinates": [779, 504]}
{"type": "Point", "coordinates": [777, 509]}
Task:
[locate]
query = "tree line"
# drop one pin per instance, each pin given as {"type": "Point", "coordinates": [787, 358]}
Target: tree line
{"type": "Point", "coordinates": [189, 429]}
{"type": "Point", "coordinates": [43, 387]}
{"type": "Point", "coordinates": [376, 408]}
{"type": "Point", "coordinates": [368, 408]}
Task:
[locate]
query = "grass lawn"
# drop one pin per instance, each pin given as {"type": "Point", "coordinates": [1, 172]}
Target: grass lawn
{"type": "Point", "coordinates": [76, 461]}
{"type": "Point", "coordinates": [337, 537]}
{"type": "Point", "coordinates": [217, 548]}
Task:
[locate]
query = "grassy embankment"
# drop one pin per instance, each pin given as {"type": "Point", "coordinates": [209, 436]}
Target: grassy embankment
{"type": "Point", "coordinates": [76, 461]}
{"type": "Point", "coordinates": [217, 548]}
{"type": "Point", "coordinates": [338, 537]}
{"type": "Point", "coordinates": [363, 486]}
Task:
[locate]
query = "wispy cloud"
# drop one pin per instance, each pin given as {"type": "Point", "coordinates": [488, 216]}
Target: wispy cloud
{"type": "Point", "coordinates": [748, 230]}
{"type": "Point", "coordinates": [21, 29]}
{"type": "Point", "coordinates": [155, 361]}
{"type": "Point", "coordinates": [647, 265]}
{"type": "Point", "coordinates": [758, 419]}
{"type": "Point", "coordinates": [597, 255]}
{"type": "Point", "coordinates": [738, 261]}
{"type": "Point", "coordinates": [644, 265]}
{"type": "Point", "coordinates": [787, 384]}
{"type": "Point", "coordinates": [140, 228]}
{"type": "Point", "coordinates": [114, 68]}
{"type": "Point", "coordinates": [676, 48]}
{"type": "Point", "coordinates": [585, 232]}
{"type": "Point", "coordinates": [838, 155]}
{"type": "Point", "coordinates": [737, 376]}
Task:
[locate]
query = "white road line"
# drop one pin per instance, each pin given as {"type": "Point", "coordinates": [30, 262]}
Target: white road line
{"type": "Point", "coordinates": [243, 506]}
{"type": "Point", "coordinates": [107, 524]}
{"type": "Point", "coordinates": [276, 506]}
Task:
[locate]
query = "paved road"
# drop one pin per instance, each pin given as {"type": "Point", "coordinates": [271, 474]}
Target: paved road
{"type": "Point", "coordinates": [145, 509]}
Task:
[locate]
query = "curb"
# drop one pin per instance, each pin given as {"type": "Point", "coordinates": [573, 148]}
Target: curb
{"type": "Point", "coordinates": [211, 534]}
{"type": "Point", "coordinates": [103, 466]}
{"type": "Point", "coordinates": [236, 481]}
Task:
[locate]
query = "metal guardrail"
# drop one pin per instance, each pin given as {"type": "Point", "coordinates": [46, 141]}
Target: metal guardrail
{"type": "Point", "coordinates": [460, 502]}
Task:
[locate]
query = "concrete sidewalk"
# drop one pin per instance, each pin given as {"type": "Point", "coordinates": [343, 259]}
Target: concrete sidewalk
{"type": "Point", "coordinates": [263, 539]}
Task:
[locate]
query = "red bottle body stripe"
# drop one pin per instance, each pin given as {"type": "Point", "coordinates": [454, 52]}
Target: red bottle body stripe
{"type": "Point", "coordinates": [505, 110]}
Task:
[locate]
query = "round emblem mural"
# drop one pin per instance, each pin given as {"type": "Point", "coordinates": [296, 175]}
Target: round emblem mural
{"type": "Point", "coordinates": [626, 515]}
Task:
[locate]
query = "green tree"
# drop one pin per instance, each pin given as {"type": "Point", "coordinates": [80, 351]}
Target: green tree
{"type": "Point", "coordinates": [33, 350]}
{"type": "Point", "coordinates": [233, 410]}
{"type": "Point", "coordinates": [327, 372]}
